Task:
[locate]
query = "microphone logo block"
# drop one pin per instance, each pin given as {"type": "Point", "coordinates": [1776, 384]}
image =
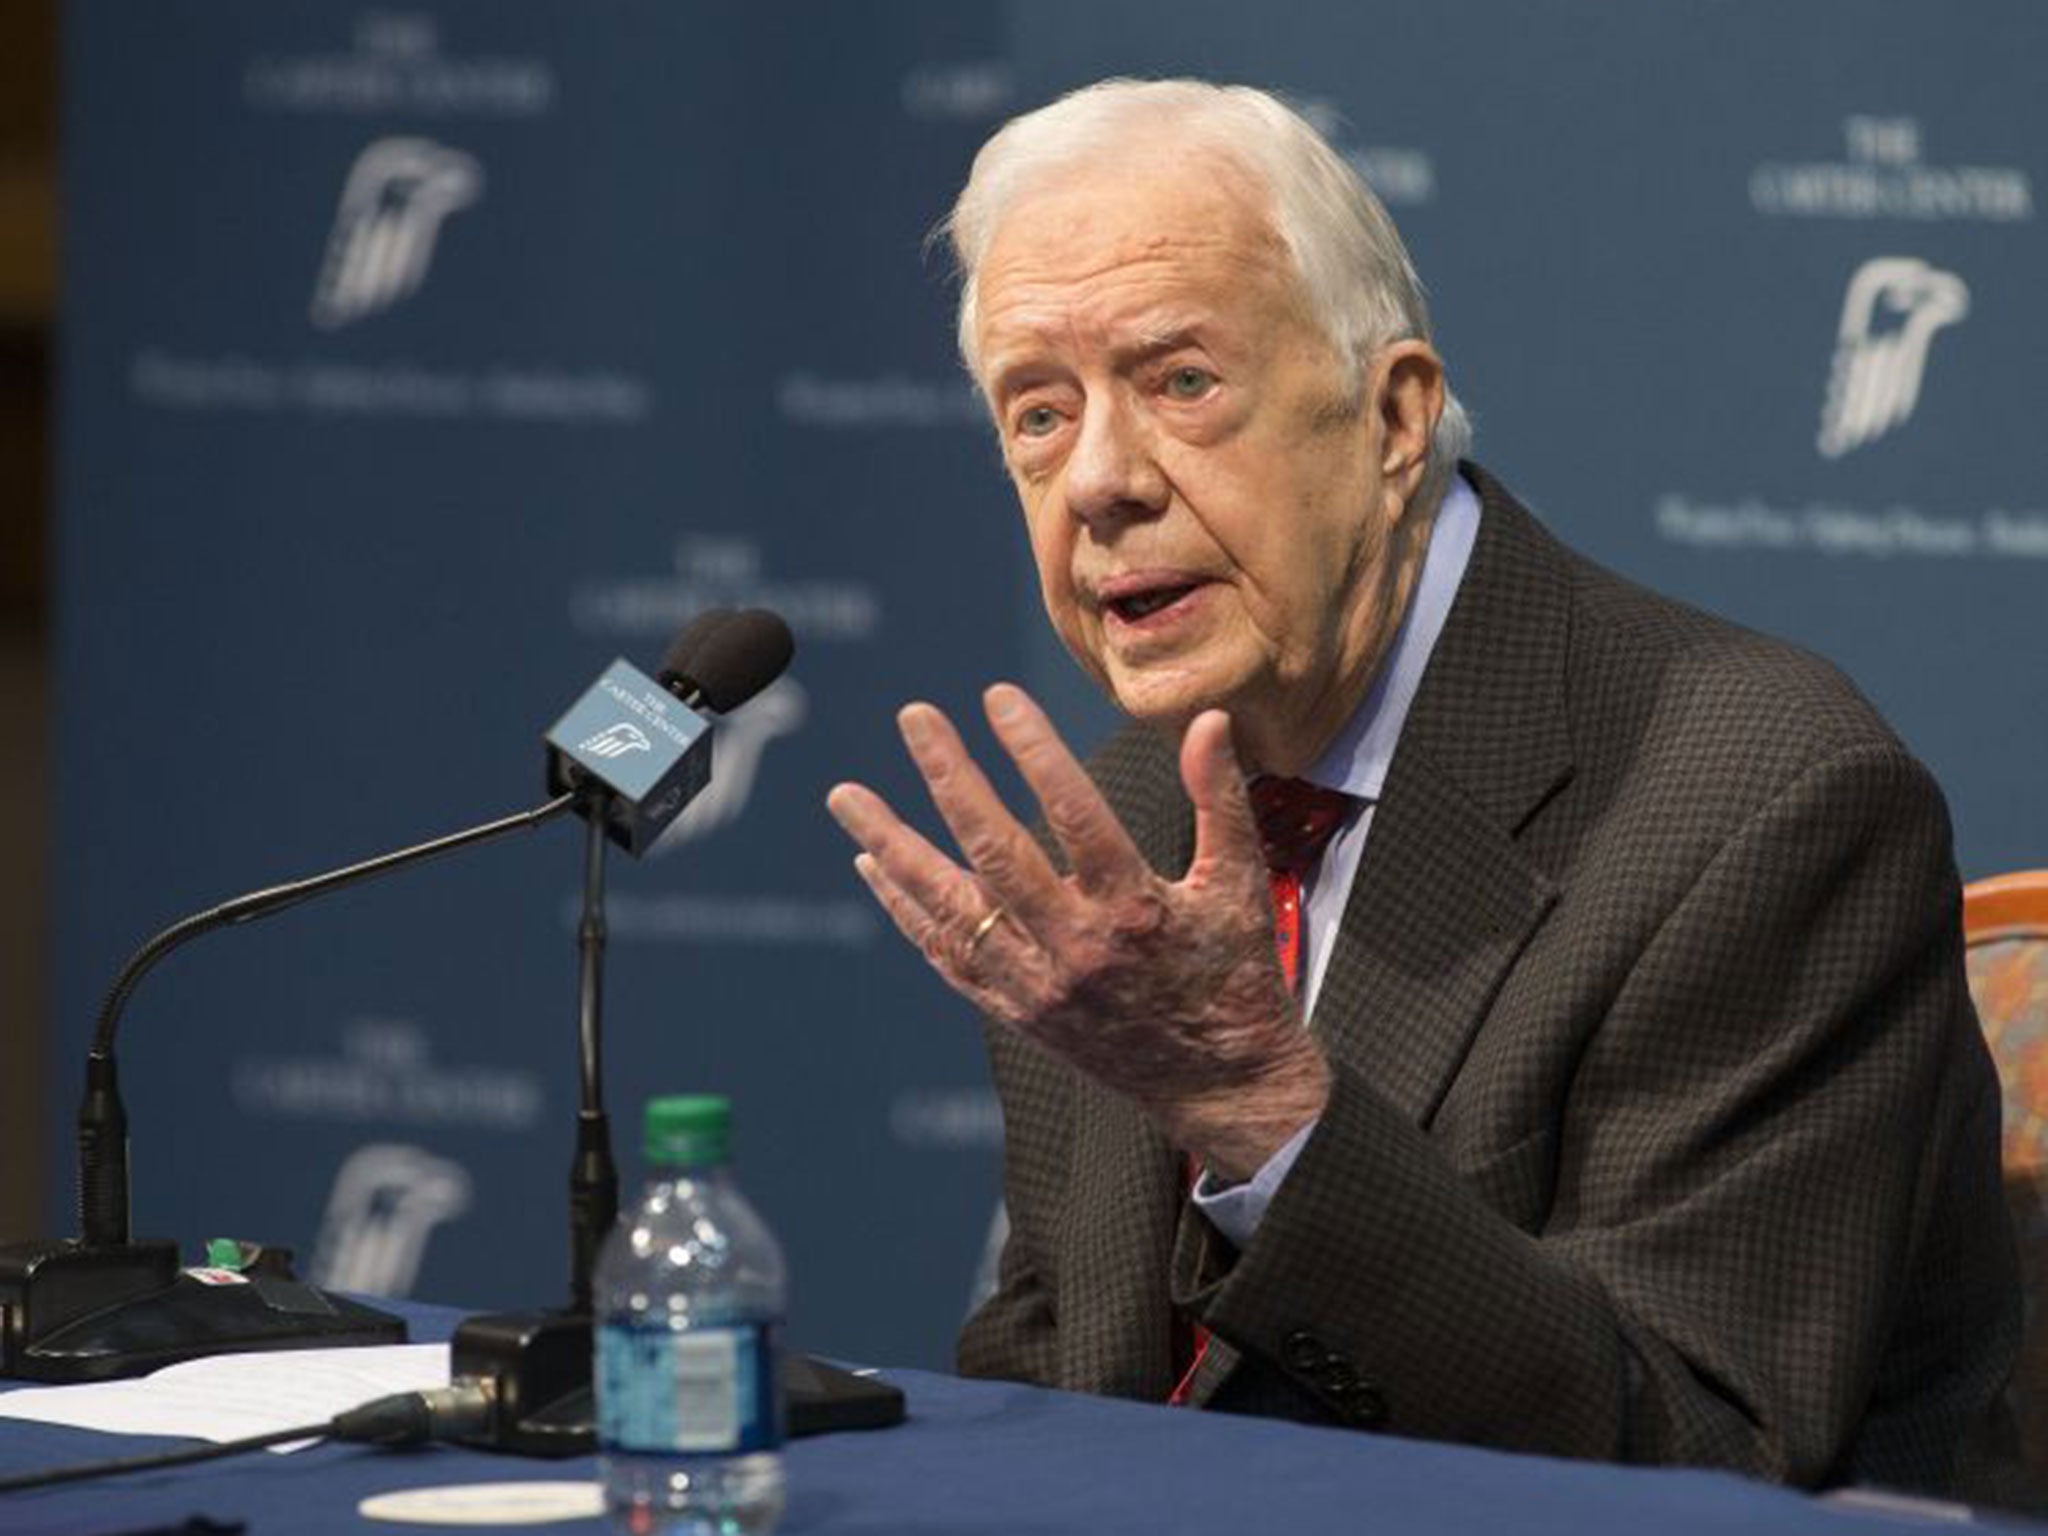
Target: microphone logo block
{"type": "Point", "coordinates": [616, 741]}
{"type": "Point", "coordinates": [637, 742]}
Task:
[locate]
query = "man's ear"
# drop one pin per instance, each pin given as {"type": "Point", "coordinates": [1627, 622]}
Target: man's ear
{"type": "Point", "coordinates": [1406, 393]}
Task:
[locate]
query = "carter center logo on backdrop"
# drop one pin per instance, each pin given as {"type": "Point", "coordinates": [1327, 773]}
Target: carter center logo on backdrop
{"type": "Point", "coordinates": [396, 197]}
{"type": "Point", "coordinates": [387, 1200]}
{"type": "Point", "coordinates": [736, 760]}
{"type": "Point", "coordinates": [1893, 307]}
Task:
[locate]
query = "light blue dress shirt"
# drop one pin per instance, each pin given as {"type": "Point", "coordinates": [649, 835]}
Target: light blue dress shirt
{"type": "Point", "coordinates": [1356, 763]}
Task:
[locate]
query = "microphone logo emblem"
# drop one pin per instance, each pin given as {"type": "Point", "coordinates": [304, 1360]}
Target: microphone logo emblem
{"type": "Point", "coordinates": [616, 741]}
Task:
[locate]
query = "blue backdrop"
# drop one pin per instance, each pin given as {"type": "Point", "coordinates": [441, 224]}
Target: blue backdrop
{"type": "Point", "coordinates": [417, 362]}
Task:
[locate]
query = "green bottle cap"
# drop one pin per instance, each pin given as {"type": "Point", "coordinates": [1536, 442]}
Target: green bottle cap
{"type": "Point", "coordinates": [223, 1253]}
{"type": "Point", "coordinates": [688, 1129]}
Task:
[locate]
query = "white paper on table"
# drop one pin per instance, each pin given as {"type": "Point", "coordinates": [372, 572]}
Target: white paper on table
{"type": "Point", "coordinates": [229, 1397]}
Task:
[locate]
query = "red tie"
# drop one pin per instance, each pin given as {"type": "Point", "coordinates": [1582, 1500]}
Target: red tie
{"type": "Point", "coordinates": [1296, 822]}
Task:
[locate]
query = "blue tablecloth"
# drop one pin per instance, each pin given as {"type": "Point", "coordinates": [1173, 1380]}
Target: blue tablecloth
{"type": "Point", "coordinates": [981, 1457]}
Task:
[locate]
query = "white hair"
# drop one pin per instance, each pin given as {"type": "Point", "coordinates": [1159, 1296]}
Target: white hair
{"type": "Point", "coordinates": [1360, 286]}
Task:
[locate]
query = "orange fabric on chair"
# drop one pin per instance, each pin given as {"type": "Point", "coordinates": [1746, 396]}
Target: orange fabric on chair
{"type": "Point", "coordinates": [2005, 929]}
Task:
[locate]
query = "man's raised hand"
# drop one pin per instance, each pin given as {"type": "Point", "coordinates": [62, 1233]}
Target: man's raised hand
{"type": "Point", "coordinates": [1165, 991]}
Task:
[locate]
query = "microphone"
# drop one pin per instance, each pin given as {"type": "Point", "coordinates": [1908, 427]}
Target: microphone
{"type": "Point", "coordinates": [629, 783]}
{"type": "Point", "coordinates": [534, 1368]}
{"type": "Point", "coordinates": [635, 749]}
{"type": "Point", "coordinates": [104, 1305]}
{"type": "Point", "coordinates": [725, 658]}
{"type": "Point", "coordinates": [681, 655]}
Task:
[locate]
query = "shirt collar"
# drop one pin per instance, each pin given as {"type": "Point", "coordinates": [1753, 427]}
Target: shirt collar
{"type": "Point", "coordinates": [1357, 760]}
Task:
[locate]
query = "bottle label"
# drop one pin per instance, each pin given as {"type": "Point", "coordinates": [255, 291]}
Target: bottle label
{"type": "Point", "coordinates": [695, 1390]}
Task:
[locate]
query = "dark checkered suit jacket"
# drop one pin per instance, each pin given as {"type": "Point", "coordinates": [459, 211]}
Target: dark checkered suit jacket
{"type": "Point", "coordinates": [1661, 1128]}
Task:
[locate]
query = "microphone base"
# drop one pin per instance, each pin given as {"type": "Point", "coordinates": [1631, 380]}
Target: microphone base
{"type": "Point", "coordinates": [69, 1312]}
{"type": "Point", "coordinates": [539, 1364]}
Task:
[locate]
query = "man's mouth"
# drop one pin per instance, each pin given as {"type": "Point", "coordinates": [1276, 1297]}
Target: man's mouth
{"type": "Point", "coordinates": [1137, 607]}
{"type": "Point", "coordinates": [1135, 599]}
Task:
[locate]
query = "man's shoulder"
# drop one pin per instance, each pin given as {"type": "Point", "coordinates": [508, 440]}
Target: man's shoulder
{"type": "Point", "coordinates": [1648, 668]}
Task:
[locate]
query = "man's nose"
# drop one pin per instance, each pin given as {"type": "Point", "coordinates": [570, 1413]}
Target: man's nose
{"type": "Point", "coordinates": [1113, 472]}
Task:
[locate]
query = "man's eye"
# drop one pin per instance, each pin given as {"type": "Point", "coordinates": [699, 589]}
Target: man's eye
{"type": "Point", "coordinates": [1189, 383]}
{"type": "Point", "coordinates": [1037, 421]}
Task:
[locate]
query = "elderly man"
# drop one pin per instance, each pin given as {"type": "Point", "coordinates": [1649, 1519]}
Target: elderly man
{"type": "Point", "coordinates": [1639, 1110]}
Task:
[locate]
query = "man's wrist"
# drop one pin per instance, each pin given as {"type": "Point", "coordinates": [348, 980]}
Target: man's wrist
{"type": "Point", "coordinates": [1236, 1133]}
{"type": "Point", "coordinates": [1237, 1210]}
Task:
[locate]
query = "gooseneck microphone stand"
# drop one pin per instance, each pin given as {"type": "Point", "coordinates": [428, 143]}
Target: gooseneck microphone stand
{"type": "Point", "coordinates": [594, 1177]}
{"type": "Point", "coordinates": [535, 1366]}
{"type": "Point", "coordinates": [104, 1305]}
{"type": "Point", "coordinates": [102, 1120]}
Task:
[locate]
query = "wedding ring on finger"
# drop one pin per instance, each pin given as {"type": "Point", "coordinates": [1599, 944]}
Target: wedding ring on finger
{"type": "Point", "coordinates": [982, 930]}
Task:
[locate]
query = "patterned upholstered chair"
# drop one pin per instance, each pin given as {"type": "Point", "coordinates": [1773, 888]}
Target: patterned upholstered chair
{"type": "Point", "coordinates": [2005, 926]}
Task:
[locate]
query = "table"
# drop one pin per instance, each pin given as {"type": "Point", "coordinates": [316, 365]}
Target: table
{"type": "Point", "coordinates": [980, 1457]}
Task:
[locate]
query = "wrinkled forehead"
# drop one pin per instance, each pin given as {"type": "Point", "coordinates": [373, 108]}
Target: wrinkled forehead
{"type": "Point", "coordinates": [1178, 186]}
{"type": "Point", "coordinates": [1122, 235]}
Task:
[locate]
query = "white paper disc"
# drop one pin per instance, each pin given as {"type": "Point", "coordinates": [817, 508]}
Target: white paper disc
{"type": "Point", "coordinates": [487, 1504]}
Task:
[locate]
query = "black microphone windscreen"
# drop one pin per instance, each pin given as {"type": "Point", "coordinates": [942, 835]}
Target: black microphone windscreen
{"type": "Point", "coordinates": [737, 659]}
{"type": "Point", "coordinates": [680, 659]}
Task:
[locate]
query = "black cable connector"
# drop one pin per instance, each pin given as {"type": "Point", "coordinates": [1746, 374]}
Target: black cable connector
{"type": "Point", "coordinates": [414, 1418]}
{"type": "Point", "coordinates": [402, 1419]}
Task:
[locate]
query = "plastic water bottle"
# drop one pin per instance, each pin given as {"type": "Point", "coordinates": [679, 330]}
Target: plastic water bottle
{"type": "Point", "coordinates": [689, 1292]}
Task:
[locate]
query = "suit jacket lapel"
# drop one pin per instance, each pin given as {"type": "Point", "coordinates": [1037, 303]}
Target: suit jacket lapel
{"type": "Point", "coordinates": [1444, 900]}
{"type": "Point", "coordinates": [1442, 905]}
